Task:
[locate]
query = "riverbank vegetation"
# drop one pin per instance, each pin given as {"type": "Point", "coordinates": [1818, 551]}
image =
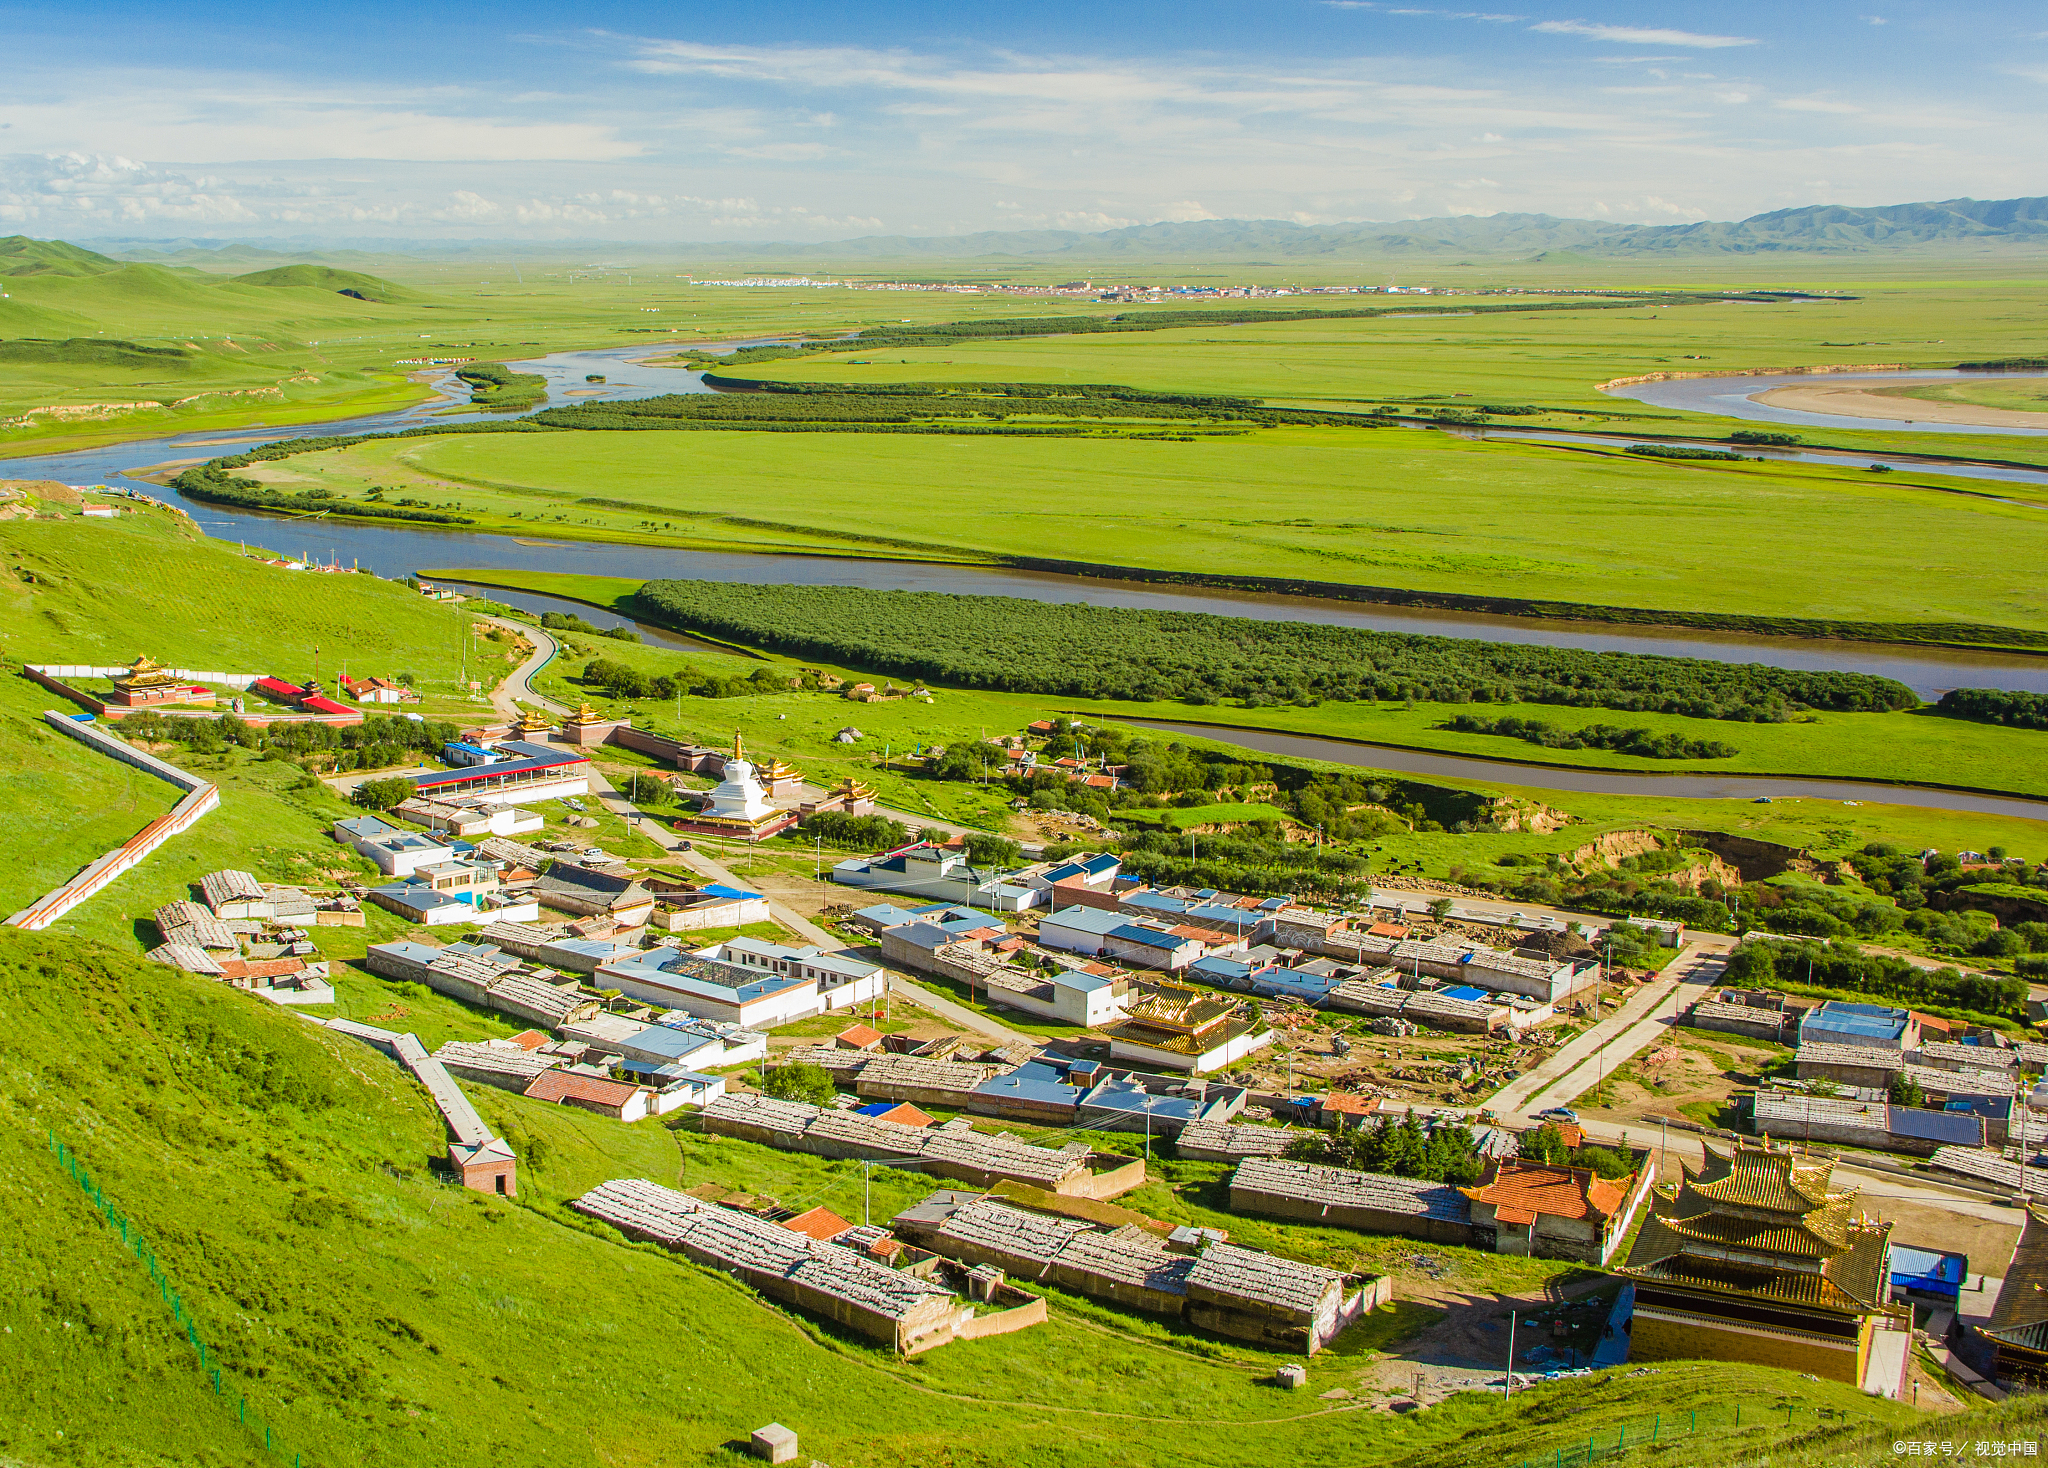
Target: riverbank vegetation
{"type": "Point", "coordinates": [952, 408]}
{"type": "Point", "coordinates": [1099, 652]}
{"type": "Point", "coordinates": [496, 387]}
{"type": "Point", "coordinates": [2014, 709]}
{"type": "Point", "coordinates": [1643, 743]}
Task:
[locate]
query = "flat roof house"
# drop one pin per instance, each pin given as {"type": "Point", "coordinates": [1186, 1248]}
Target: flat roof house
{"type": "Point", "coordinates": [1364, 1200]}
{"type": "Point", "coordinates": [589, 893]}
{"type": "Point", "coordinates": [710, 989]}
{"type": "Point", "coordinates": [895, 1306]}
{"type": "Point", "coordinates": [1839, 1023]}
{"type": "Point", "coordinates": [1155, 948]}
{"type": "Point", "coordinates": [397, 852]}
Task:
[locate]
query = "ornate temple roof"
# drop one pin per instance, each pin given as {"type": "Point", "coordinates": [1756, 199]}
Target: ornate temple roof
{"type": "Point", "coordinates": [1763, 1224]}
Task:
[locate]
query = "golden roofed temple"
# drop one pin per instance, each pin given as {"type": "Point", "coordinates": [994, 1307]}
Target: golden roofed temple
{"type": "Point", "coordinates": [532, 722]}
{"type": "Point", "coordinates": [145, 683]}
{"type": "Point", "coordinates": [1757, 1259]}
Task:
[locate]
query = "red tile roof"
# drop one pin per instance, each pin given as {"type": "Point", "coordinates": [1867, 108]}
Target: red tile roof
{"type": "Point", "coordinates": [259, 968]}
{"type": "Point", "coordinates": [820, 1223]}
{"type": "Point", "coordinates": [906, 1115]}
{"type": "Point", "coordinates": [1387, 930]}
{"type": "Point", "coordinates": [529, 1039]}
{"type": "Point", "coordinates": [858, 1037]}
{"type": "Point", "coordinates": [1348, 1104]}
{"type": "Point", "coordinates": [557, 1085]}
{"type": "Point", "coordinates": [1562, 1192]}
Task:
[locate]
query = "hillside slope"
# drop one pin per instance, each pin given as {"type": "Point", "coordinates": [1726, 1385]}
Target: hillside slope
{"type": "Point", "coordinates": [377, 1316]}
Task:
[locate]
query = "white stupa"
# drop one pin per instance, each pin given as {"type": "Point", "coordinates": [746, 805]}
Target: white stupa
{"type": "Point", "coordinates": [739, 797]}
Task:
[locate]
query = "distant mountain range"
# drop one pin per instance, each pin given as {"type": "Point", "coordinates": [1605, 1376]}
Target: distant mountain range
{"type": "Point", "coordinates": [1820, 228]}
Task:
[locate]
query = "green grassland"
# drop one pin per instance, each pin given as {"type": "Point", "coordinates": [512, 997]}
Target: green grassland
{"type": "Point", "coordinates": [1920, 747]}
{"type": "Point", "coordinates": [1369, 507]}
{"type": "Point", "coordinates": [373, 1315]}
{"type": "Point", "coordinates": [1549, 360]}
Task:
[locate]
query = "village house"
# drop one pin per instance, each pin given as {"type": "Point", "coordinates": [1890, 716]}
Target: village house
{"type": "Point", "coordinates": [1191, 1274]}
{"type": "Point", "coordinates": [899, 1307]}
{"type": "Point", "coordinates": [1549, 1212]}
{"type": "Point", "coordinates": [616, 1099]}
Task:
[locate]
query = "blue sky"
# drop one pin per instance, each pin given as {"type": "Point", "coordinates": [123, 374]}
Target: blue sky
{"type": "Point", "coordinates": [808, 121]}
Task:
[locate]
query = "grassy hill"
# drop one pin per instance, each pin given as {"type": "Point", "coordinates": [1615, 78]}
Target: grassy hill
{"type": "Point", "coordinates": [22, 256]}
{"type": "Point", "coordinates": [327, 278]}
{"type": "Point", "coordinates": [103, 592]}
{"type": "Point", "coordinates": [374, 1315]}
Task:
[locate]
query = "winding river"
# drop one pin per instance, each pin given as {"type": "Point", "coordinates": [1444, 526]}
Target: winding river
{"type": "Point", "coordinates": [392, 550]}
{"type": "Point", "coordinates": [1735, 397]}
{"type": "Point", "coordinates": [1601, 782]}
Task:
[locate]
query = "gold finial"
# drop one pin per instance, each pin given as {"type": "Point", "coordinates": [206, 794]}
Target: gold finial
{"type": "Point", "coordinates": [739, 746]}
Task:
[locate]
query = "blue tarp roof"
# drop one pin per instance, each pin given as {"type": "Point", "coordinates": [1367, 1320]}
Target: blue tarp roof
{"type": "Point", "coordinates": [1924, 1267]}
{"type": "Point", "coordinates": [1464, 991]}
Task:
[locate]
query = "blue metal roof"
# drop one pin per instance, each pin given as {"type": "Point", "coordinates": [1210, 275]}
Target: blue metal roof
{"type": "Point", "coordinates": [1149, 937]}
{"type": "Point", "coordinates": [1031, 1082]}
{"type": "Point", "coordinates": [1957, 1128]}
{"type": "Point", "coordinates": [1464, 991]}
{"type": "Point", "coordinates": [675, 1044]}
{"type": "Point", "coordinates": [1086, 920]}
{"type": "Point", "coordinates": [1130, 1100]}
{"type": "Point", "coordinates": [1155, 902]}
{"type": "Point", "coordinates": [1870, 1020]}
{"type": "Point", "coordinates": [1081, 982]}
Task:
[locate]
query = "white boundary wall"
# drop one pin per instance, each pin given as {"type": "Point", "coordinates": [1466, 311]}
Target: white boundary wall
{"type": "Point", "coordinates": [200, 798]}
{"type": "Point", "coordinates": [76, 670]}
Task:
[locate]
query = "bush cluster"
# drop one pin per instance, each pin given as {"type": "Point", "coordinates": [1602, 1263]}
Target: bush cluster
{"type": "Point", "coordinates": [1104, 652]}
{"type": "Point", "coordinates": [1640, 742]}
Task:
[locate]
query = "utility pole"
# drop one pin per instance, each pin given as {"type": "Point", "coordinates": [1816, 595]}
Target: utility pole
{"type": "Point", "coordinates": [1510, 1379]}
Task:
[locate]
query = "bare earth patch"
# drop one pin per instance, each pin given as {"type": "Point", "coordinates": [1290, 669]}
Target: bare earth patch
{"type": "Point", "coordinates": [1846, 401]}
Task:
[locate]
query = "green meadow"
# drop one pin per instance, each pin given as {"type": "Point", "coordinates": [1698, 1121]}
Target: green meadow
{"type": "Point", "coordinates": [1359, 506]}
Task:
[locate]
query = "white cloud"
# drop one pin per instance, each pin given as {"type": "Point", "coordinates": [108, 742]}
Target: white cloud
{"type": "Point", "coordinates": [233, 118]}
{"type": "Point", "coordinates": [1817, 104]}
{"type": "Point", "coordinates": [1640, 35]}
{"type": "Point", "coordinates": [1873, 20]}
